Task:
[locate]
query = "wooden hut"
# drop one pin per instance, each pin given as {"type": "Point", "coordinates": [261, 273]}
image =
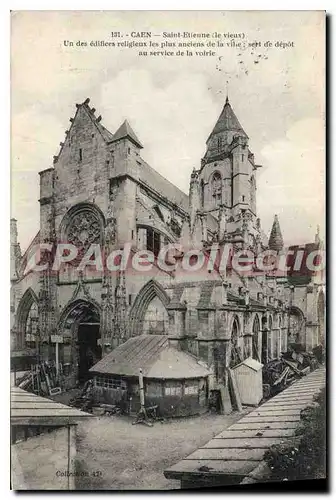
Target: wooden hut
{"type": "Point", "coordinates": [174, 380]}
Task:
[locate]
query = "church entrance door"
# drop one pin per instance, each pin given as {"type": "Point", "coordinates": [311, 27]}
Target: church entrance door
{"type": "Point", "coordinates": [89, 352]}
{"type": "Point", "coordinates": [82, 323]}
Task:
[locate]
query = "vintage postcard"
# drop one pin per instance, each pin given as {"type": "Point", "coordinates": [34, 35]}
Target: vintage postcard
{"type": "Point", "coordinates": [167, 249]}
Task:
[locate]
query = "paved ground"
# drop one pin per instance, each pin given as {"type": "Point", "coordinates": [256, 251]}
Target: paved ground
{"type": "Point", "coordinates": [135, 456]}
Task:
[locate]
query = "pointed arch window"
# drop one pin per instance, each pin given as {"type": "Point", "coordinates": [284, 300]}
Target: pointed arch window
{"type": "Point", "coordinates": [236, 354]}
{"type": "Point", "coordinates": [32, 325]}
{"type": "Point", "coordinates": [255, 338]}
{"type": "Point", "coordinates": [202, 193]}
{"type": "Point", "coordinates": [216, 188]}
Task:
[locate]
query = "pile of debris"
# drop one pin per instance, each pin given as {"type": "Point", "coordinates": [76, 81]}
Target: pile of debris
{"type": "Point", "coordinates": [280, 373]}
{"type": "Point", "coordinates": [85, 400]}
{"type": "Point", "coordinates": [43, 379]}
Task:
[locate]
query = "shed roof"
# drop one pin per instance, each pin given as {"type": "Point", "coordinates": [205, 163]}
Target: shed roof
{"type": "Point", "coordinates": [154, 355]}
{"type": "Point", "coordinates": [251, 363]}
{"type": "Point", "coordinates": [29, 409]}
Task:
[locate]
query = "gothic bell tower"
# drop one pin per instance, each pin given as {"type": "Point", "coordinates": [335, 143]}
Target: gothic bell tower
{"type": "Point", "coordinates": [228, 168]}
{"type": "Point", "coordinates": [228, 174]}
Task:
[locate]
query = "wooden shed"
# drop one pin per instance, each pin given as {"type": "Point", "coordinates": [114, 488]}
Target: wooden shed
{"type": "Point", "coordinates": [174, 380]}
{"type": "Point", "coordinates": [43, 442]}
{"type": "Point", "coordinates": [248, 374]}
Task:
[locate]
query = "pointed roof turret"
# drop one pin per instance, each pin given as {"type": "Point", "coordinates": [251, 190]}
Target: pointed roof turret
{"type": "Point", "coordinates": [125, 130]}
{"type": "Point", "coordinates": [227, 122]}
{"type": "Point", "coordinates": [275, 241]}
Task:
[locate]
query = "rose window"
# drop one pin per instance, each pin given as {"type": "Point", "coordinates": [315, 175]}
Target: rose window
{"type": "Point", "coordinates": [84, 229]}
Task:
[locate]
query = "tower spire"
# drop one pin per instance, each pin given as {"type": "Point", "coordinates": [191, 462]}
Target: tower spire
{"type": "Point", "coordinates": [275, 241]}
{"type": "Point", "coordinates": [227, 92]}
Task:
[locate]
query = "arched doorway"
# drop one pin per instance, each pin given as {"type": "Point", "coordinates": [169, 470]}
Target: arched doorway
{"type": "Point", "coordinates": [80, 323]}
{"type": "Point", "coordinates": [321, 318]}
{"type": "Point", "coordinates": [296, 323]}
{"type": "Point", "coordinates": [255, 338]}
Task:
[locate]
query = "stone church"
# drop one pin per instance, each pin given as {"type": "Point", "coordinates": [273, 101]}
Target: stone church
{"type": "Point", "coordinates": [99, 190]}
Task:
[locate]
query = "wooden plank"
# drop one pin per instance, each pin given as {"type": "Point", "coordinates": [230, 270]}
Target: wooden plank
{"type": "Point", "coordinates": [27, 397]}
{"type": "Point", "coordinates": [216, 467]}
{"type": "Point", "coordinates": [285, 407]}
{"type": "Point", "coordinates": [288, 404]}
{"type": "Point", "coordinates": [274, 413]}
{"type": "Point", "coordinates": [306, 383]}
{"type": "Point", "coordinates": [305, 389]}
{"type": "Point", "coordinates": [227, 454]}
{"type": "Point", "coordinates": [264, 425]}
{"type": "Point", "coordinates": [15, 394]}
{"type": "Point", "coordinates": [315, 386]}
{"type": "Point", "coordinates": [32, 401]}
{"type": "Point", "coordinates": [242, 434]}
{"type": "Point", "coordinates": [292, 399]}
{"type": "Point", "coordinates": [243, 443]}
{"type": "Point", "coordinates": [44, 421]}
{"type": "Point", "coordinates": [270, 419]}
{"type": "Point", "coordinates": [302, 390]}
{"type": "Point", "coordinates": [35, 406]}
{"type": "Point", "coordinates": [30, 412]}
{"type": "Point", "coordinates": [40, 402]}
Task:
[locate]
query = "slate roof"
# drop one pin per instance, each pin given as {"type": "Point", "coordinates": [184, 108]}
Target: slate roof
{"type": "Point", "coordinates": [164, 187]}
{"type": "Point", "coordinates": [175, 364]}
{"type": "Point", "coordinates": [227, 122]}
{"type": "Point", "coordinates": [154, 355]}
{"type": "Point", "coordinates": [125, 130]}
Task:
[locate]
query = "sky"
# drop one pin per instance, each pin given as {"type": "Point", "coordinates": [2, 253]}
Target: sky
{"type": "Point", "coordinates": [173, 103]}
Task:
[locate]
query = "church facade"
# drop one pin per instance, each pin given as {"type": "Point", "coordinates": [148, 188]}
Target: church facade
{"type": "Point", "coordinates": [99, 191]}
